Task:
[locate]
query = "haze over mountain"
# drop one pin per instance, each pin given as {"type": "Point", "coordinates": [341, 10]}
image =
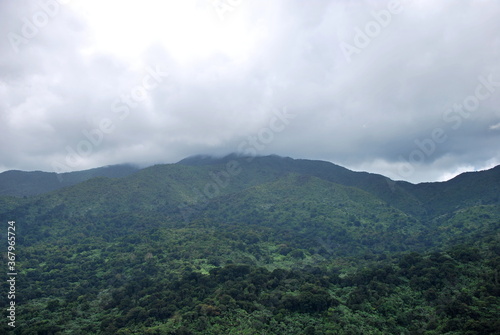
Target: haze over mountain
{"type": "Point", "coordinates": [371, 85]}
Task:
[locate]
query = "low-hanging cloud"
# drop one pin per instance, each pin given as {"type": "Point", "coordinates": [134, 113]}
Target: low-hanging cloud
{"type": "Point", "coordinates": [371, 85]}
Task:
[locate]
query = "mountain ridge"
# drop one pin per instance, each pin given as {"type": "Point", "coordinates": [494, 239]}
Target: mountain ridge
{"type": "Point", "coordinates": [199, 178]}
{"type": "Point", "coordinates": [29, 183]}
{"type": "Point", "coordinates": [207, 242]}
{"type": "Point", "coordinates": [194, 182]}
{"type": "Point", "coordinates": [20, 183]}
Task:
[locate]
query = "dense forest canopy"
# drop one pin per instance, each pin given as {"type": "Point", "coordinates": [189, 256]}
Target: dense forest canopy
{"type": "Point", "coordinates": [267, 245]}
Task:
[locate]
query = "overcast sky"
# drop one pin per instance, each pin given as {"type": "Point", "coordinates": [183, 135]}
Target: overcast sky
{"type": "Point", "coordinates": [408, 89]}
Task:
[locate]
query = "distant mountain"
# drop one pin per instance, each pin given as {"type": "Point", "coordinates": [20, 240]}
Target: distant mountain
{"type": "Point", "coordinates": [189, 190]}
{"type": "Point", "coordinates": [424, 199]}
{"type": "Point", "coordinates": [465, 190]}
{"type": "Point", "coordinates": [197, 179]}
{"type": "Point", "coordinates": [252, 245]}
{"type": "Point", "coordinates": [21, 183]}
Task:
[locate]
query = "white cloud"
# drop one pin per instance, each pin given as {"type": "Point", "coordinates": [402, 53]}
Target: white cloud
{"type": "Point", "coordinates": [227, 76]}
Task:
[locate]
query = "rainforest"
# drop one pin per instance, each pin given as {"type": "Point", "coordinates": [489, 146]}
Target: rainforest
{"type": "Point", "coordinates": [273, 245]}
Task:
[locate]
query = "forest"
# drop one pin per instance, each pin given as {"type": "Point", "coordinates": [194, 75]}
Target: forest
{"type": "Point", "coordinates": [286, 247]}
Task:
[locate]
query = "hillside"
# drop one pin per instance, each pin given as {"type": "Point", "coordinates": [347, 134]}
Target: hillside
{"type": "Point", "coordinates": [21, 183]}
{"type": "Point", "coordinates": [258, 245]}
{"type": "Point", "coordinates": [466, 189]}
{"type": "Point", "coordinates": [424, 200]}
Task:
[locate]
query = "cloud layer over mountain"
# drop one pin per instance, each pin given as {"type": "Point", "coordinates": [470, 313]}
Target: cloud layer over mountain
{"type": "Point", "coordinates": [408, 89]}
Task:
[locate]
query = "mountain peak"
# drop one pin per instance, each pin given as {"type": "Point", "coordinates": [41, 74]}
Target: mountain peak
{"type": "Point", "coordinates": [199, 160]}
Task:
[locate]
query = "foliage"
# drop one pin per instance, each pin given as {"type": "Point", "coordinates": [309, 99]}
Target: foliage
{"type": "Point", "coordinates": [276, 251]}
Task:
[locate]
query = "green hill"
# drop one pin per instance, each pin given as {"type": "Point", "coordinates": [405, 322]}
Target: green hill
{"type": "Point", "coordinates": [257, 245]}
{"type": "Point", "coordinates": [21, 183]}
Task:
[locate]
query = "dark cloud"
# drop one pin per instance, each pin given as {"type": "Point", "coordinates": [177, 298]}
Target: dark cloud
{"type": "Point", "coordinates": [369, 85]}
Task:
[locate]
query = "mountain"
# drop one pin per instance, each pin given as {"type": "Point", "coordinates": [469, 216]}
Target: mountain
{"type": "Point", "coordinates": [21, 183]}
{"type": "Point", "coordinates": [465, 190]}
{"type": "Point", "coordinates": [193, 189]}
{"type": "Point", "coordinates": [424, 199]}
{"type": "Point", "coordinates": [257, 245]}
{"type": "Point", "coordinates": [432, 198]}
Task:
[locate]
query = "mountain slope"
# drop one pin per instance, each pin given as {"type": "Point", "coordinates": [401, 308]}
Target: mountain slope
{"type": "Point", "coordinates": [211, 178]}
{"type": "Point", "coordinates": [423, 200]}
{"type": "Point", "coordinates": [257, 245]}
{"type": "Point", "coordinates": [301, 195]}
{"type": "Point", "coordinates": [378, 185]}
{"type": "Point", "coordinates": [465, 190]}
{"type": "Point", "coordinates": [21, 183]}
{"type": "Point", "coordinates": [308, 212]}
{"type": "Point", "coordinates": [188, 186]}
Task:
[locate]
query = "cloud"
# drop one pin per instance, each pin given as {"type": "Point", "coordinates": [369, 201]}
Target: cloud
{"type": "Point", "coordinates": [87, 70]}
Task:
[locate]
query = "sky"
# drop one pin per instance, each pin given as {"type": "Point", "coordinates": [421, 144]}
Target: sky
{"type": "Point", "coordinates": [409, 89]}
